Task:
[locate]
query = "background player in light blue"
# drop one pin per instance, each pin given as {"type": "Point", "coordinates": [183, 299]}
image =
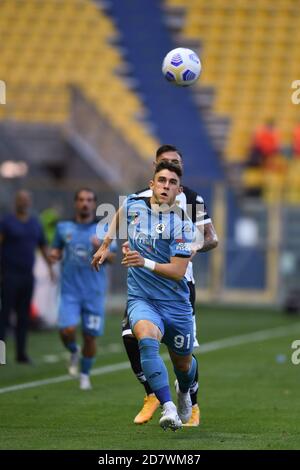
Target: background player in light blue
{"type": "Point", "coordinates": [159, 308]}
{"type": "Point", "coordinates": [83, 291]}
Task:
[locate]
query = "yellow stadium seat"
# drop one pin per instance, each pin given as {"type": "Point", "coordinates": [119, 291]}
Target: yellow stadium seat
{"type": "Point", "coordinates": [253, 178]}
{"type": "Point", "coordinates": [273, 186]}
{"type": "Point", "coordinates": [64, 40]}
{"type": "Point", "coordinates": [250, 57]}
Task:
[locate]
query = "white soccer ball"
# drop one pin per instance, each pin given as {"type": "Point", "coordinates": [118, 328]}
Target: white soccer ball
{"type": "Point", "coordinates": [181, 66]}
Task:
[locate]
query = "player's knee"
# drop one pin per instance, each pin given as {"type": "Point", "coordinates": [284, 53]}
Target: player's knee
{"type": "Point", "coordinates": [68, 332]}
{"type": "Point", "coordinates": [182, 364]}
{"type": "Point", "coordinates": [183, 367]}
{"type": "Point", "coordinates": [146, 329]}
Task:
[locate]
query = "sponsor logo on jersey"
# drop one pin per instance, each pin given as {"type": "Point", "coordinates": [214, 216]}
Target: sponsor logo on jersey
{"type": "Point", "coordinates": [81, 252]}
{"type": "Point", "coordinates": [183, 246]}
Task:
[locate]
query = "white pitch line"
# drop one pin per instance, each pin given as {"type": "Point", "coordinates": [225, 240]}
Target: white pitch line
{"type": "Point", "coordinates": [204, 348]}
{"type": "Point", "coordinates": [248, 338]}
{"type": "Point", "coordinates": [112, 348]}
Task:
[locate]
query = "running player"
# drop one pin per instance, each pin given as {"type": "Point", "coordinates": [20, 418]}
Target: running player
{"type": "Point", "coordinates": [83, 291]}
{"type": "Point", "coordinates": [160, 236]}
{"type": "Point", "coordinates": [204, 223]}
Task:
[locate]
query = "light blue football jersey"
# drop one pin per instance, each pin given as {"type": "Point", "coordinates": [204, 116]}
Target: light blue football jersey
{"type": "Point", "coordinates": [157, 236]}
{"type": "Point", "coordinates": [77, 275]}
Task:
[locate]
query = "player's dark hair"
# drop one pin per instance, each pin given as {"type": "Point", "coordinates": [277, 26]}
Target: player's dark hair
{"type": "Point", "coordinates": [88, 190]}
{"type": "Point", "coordinates": [164, 165]}
{"type": "Point", "coordinates": [167, 148]}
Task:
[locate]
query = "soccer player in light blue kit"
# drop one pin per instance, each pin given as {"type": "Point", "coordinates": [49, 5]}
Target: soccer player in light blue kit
{"type": "Point", "coordinates": [83, 291]}
{"type": "Point", "coordinates": [159, 308]}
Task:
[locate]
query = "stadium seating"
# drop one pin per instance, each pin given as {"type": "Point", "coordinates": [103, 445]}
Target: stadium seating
{"type": "Point", "coordinates": [250, 57]}
{"type": "Point", "coordinates": [49, 45]}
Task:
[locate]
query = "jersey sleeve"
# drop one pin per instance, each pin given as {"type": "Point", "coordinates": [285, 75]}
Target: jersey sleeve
{"type": "Point", "coordinates": [197, 209]}
{"type": "Point", "coordinates": [132, 210]}
{"type": "Point", "coordinates": [128, 201]}
{"type": "Point", "coordinates": [58, 241]}
{"type": "Point", "coordinates": [201, 216]}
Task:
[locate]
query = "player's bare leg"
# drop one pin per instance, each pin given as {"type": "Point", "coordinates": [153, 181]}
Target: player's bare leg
{"type": "Point", "coordinates": [68, 337]}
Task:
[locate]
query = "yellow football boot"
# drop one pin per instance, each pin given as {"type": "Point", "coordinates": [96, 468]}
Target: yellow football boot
{"type": "Point", "coordinates": [195, 418]}
{"type": "Point", "coordinates": [151, 404]}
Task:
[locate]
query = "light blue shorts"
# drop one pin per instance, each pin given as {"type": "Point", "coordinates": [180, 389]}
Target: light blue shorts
{"type": "Point", "coordinates": [89, 312]}
{"type": "Point", "coordinates": [174, 319]}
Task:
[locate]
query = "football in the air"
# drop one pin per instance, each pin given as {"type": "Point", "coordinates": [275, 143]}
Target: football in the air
{"type": "Point", "coordinates": [181, 66]}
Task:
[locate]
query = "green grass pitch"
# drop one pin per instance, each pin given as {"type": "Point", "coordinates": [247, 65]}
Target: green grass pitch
{"type": "Point", "coordinates": [249, 391]}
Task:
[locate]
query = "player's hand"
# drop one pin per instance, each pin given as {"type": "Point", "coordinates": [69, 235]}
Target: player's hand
{"type": "Point", "coordinates": [55, 255]}
{"type": "Point", "coordinates": [133, 259]}
{"type": "Point", "coordinates": [100, 256]}
{"type": "Point", "coordinates": [125, 247]}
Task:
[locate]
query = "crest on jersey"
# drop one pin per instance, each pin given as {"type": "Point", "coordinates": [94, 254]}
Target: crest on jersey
{"type": "Point", "coordinates": [160, 228]}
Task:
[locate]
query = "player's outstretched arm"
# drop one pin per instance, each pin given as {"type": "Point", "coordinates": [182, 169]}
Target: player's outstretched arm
{"type": "Point", "coordinates": [174, 270]}
{"type": "Point", "coordinates": [103, 251]}
{"type": "Point", "coordinates": [101, 254]}
{"type": "Point", "coordinates": [209, 238]}
{"type": "Point", "coordinates": [97, 243]}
